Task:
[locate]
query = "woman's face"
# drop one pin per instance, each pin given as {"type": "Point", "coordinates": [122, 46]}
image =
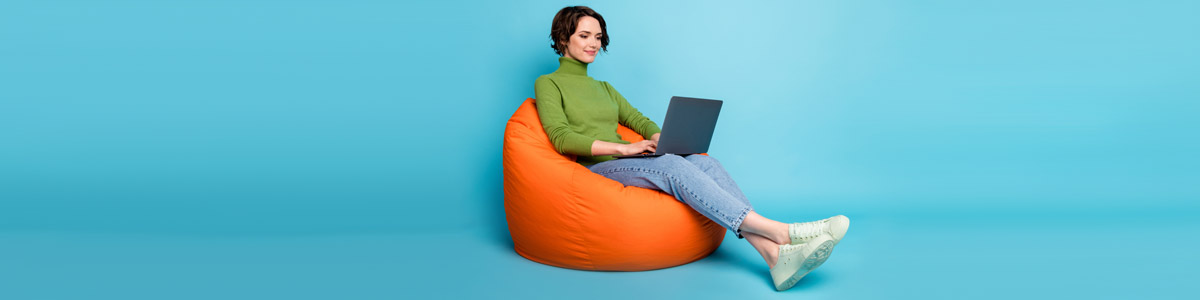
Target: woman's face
{"type": "Point", "coordinates": [585, 42]}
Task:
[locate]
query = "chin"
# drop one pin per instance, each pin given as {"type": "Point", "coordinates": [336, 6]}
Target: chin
{"type": "Point", "coordinates": [586, 59]}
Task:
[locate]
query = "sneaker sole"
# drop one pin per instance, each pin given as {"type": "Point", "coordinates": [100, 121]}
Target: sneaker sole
{"type": "Point", "coordinates": [813, 261]}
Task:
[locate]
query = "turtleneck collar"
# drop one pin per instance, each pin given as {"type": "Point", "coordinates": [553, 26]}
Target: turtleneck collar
{"type": "Point", "coordinates": [567, 65]}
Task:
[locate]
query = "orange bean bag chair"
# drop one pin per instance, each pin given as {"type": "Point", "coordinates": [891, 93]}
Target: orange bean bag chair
{"type": "Point", "coordinates": [561, 214]}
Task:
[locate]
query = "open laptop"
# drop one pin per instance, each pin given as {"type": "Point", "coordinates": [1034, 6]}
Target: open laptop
{"type": "Point", "coordinates": [687, 129]}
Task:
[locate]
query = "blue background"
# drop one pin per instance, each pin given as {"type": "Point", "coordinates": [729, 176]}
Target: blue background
{"type": "Point", "coordinates": [351, 149]}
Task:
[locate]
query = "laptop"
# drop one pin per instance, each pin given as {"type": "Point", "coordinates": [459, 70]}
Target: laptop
{"type": "Point", "coordinates": [687, 129]}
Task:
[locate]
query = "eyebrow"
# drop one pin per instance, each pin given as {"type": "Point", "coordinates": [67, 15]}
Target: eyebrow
{"type": "Point", "coordinates": [588, 32]}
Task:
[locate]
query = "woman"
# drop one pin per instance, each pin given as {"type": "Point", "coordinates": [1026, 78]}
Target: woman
{"type": "Point", "coordinates": [580, 115]}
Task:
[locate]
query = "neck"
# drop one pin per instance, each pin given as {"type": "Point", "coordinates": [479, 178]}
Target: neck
{"type": "Point", "coordinates": [569, 65]}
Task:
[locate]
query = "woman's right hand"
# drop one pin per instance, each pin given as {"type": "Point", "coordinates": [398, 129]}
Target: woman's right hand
{"type": "Point", "coordinates": [637, 148]}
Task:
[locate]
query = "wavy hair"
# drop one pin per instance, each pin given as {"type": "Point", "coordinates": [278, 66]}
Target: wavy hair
{"type": "Point", "coordinates": [565, 23]}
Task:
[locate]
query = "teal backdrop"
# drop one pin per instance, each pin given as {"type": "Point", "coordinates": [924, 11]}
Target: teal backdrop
{"type": "Point", "coordinates": [197, 139]}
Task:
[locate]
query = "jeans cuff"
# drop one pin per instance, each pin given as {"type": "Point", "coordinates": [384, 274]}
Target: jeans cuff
{"type": "Point", "coordinates": [738, 223]}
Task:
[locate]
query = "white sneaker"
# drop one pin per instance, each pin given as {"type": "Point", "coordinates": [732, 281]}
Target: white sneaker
{"type": "Point", "coordinates": [796, 261]}
{"type": "Point", "coordinates": [835, 226]}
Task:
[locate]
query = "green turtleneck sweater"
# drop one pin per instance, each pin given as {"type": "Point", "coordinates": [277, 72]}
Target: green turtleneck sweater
{"type": "Point", "coordinates": [577, 110]}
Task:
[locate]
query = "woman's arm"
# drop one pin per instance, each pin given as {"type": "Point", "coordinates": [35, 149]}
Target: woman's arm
{"type": "Point", "coordinates": [606, 148]}
{"type": "Point", "coordinates": [609, 148]}
{"type": "Point", "coordinates": [631, 117]}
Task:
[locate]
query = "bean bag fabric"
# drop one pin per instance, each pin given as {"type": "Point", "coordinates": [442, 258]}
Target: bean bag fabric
{"type": "Point", "coordinates": [561, 214]}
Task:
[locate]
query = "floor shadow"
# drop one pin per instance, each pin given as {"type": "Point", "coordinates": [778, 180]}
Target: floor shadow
{"type": "Point", "coordinates": [751, 266]}
{"type": "Point", "coordinates": [812, 280]}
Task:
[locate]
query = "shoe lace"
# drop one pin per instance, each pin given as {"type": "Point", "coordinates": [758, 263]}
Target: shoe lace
{"type": "Point", "coordinates": [806, 230]}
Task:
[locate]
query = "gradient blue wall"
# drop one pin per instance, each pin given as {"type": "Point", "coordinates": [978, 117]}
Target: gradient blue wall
{"type": "Point", "coordinates": [295, 117]}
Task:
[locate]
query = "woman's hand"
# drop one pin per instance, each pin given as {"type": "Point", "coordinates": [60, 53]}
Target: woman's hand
{"type": "Point", "coordinates": [609, 148]}
{"type": "Point", "coordinates": [639, 147]}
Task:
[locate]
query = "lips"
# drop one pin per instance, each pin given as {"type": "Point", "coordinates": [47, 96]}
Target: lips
{"type": "Point", "coordinates": [592, 53]}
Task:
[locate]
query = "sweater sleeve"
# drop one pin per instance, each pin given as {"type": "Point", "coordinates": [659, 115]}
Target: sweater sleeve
{"type": "Point", "coordinates": [549, 104]}
{"type": "Point", "coordinates": [631, 117]}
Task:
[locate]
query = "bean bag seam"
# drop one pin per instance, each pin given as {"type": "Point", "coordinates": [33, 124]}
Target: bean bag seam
{"type": "Point", "coordinates": [574, 200]}
{"type": "Point", "coordinates": [572, 197]}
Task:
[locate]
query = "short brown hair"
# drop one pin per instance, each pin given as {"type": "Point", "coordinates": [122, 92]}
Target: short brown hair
{"type": "Point", "coordinates": [565, 23]}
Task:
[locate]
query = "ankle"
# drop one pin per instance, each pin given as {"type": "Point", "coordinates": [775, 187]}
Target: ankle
{"type": "Point", "coordinates": [771, 257]}
{"type": "Point", "coordinates": [781, 235]}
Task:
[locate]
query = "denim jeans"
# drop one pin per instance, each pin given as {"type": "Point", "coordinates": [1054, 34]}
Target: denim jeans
{"type": "Point", "coordinates": [697, 180]}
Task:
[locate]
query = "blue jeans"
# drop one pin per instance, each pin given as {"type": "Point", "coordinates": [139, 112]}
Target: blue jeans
{"type": "Point", "coordinates": [697, 180]}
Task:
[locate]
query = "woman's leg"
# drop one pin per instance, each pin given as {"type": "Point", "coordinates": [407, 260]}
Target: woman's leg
{"type": "Point", "coordinates": [689, 183]}
{"type": "Point", "coordinates": [754, 223]}
{"type": "Point", "coordinates": [678, 177]}
{"type": "Point", "coordinates": [765, 247]}
{"type": "Point", "coordinates": [770, 229]}
{"type": "Point", "coordinates": [714, 169]}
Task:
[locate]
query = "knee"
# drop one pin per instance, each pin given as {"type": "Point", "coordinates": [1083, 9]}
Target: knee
{"type": "Point", "coordinates": [672, 161]}
{"type": "Point", "coordinates": [702, 160]}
